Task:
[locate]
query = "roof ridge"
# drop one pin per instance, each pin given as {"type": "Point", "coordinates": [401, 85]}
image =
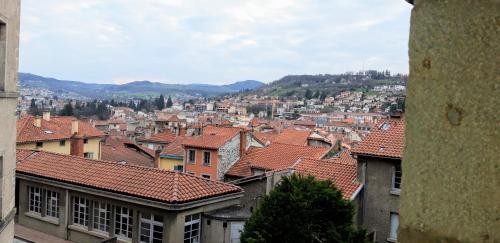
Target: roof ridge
{"type": "Point", "coordinates": [175, 187]}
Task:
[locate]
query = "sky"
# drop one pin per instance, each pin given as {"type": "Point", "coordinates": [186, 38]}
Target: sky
{"type": "Point", "coordinates": [210, 41]}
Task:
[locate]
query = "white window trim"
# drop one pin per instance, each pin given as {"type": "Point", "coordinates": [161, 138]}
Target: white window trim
{"type": "Point", "coordinates": [209, 158]}
{"type": "Point", "coordinates": [129, 216]}
{"type": "Point", "coordinates": [52, 197]}
{"type": "Point", "coordinates": [82, 206]}
{"type": "Point", "coordinates": [97, 218]}
{"type": "Point", "coordinates": [152, 222]}
{"type": "Point", "coordinates": [394, 190]}
{"type": "Point", "coordinates": [37, 193]}
{"type": "Point", "coordinates": [192, 222]}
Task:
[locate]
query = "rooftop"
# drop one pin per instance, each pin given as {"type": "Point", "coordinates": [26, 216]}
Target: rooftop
{"type": "Point", "coordinates": [212, 137]}
{"type": "Point", "coordinates": [386, 139]}
{"type": "Point", "coordinates": [276, 156]}
{"type": "Point", "coordinates": [57, 128]}
{"type": "Point", "coordinates": [149, 183]}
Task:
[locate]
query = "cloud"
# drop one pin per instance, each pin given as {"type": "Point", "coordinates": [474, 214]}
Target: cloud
{"type": "Point", "coordinates": [213, 41]}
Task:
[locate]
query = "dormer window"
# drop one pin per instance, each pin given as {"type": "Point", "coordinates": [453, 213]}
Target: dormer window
{"type": "Point", "coordinates": [385, 126]}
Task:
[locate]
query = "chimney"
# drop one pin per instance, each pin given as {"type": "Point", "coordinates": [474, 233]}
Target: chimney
{"type": "Point", "coordinates": [74, 126]}
{"type": "Point", "coordinates": [37, 122]}
{"type": "Point", "coordinates": [76, 148]}
{"type": "Point", "coordinates": [181, 131]}
{"type": "Point", "coordinates": [243, 141]}
{"type": "Point", "coordinates": [46, 115]}
{"type": "Point", "coordinates": [157, 158]}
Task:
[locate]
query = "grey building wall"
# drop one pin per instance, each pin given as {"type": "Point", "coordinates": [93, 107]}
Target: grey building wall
{"type": "Point", "coordinates": [228, 154]}
{"type": "Point", "coordinates": [377, 200]}
{"type": "Point", "coordinates": [173, 221]}
{"type": "Point", "coordinates": [9, 53]}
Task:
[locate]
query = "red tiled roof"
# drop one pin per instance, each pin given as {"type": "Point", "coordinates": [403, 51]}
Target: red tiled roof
{"type": "Point", "coordinates": [174, 148]}
{"type": "Point", "coordinates": [156, 184]}
{"type": "Point", "coordinates": [292, 136]}
{"type": "Point", "coordinates": [265, 137]}
{"type": "Point", "coordinates": [341, 170]}
{"type": "Point", "coordinates": [164, 137]}
{"type": "Point", "coordinates": [386, 139]}
{"type": "Point", "coordinates": [59, 127]}
{"type": "Point", "coordinates": [119, 149]}
{"type": "Point", "coordinates": [276, 156]}
{"type": "Point", "coordinates": [212, 137]}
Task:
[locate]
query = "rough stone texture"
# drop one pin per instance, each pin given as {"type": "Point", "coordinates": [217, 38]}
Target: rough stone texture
{"type": "Point", "coordinates": [452, 164]}
{"type": "Point", "coordinates": [228, 154]}
{"type": "Point", "coordinates": [9, 52]}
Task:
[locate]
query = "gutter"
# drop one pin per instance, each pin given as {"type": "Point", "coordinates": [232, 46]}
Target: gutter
{"type": "Point", "coordinates": [355, 194]}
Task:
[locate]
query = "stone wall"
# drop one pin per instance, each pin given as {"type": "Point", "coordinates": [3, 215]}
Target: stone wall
{"type": "Point", "coordinates": [450, 190]}
{"type": "Point", "coordinates": [228, 154]}
{"type": "Point", "coordinates": [9, 53]}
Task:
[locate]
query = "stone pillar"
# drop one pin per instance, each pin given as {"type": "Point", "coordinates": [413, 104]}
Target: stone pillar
{"type": "Point", "coordinates": [451, 166]}
{"type": "Point", "coordinates": [9, 53]}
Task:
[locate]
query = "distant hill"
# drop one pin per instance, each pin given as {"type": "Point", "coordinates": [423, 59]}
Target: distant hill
{"type": "Point", "coordinates": [136, 88]}
{"type": "Point", "coordinates": [326, 84]}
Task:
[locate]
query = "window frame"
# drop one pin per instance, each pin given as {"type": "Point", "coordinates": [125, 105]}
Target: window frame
{"type": "Point", "coordinates": [52, 199]}
{"type": "Point", "coordinates": [39, 145]}
{"type": "Point", "coordinates": [151, 222]}
{"type": "Point", "coordinates": [3, 55]}
{"type": "Point", "coordinates": [88, 155]}
{"type": "Point", "coordinates": [190, 223]}
{"type": "Point", "coordinates": [62, 143]}
{"type": "Point", "coordinates": [205, 158]}
{"type": "Point", "coordinates": [32, 206]}
{"type": "Point", "coordinates": [396, 179]}
{"type": "Point", "coordinates": [206, 176]}
{"type": "Point", "coordinates": [99, 222]}
{"type": "Point", "coordinates": [121, 215]}
{"type": "Point", "coordinates": [85, 141]}
{"type": "Point", "coordinates": [193, 161]}
{"type": "Point", "coordinates": [80, 204]}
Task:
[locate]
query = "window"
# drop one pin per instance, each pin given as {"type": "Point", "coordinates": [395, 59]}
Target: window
{"type": "Point", "coordinates": [88, 155]}
{"type": "Point", "coordinates": [102, 216]}
{"type": "Point", "coordinates": [123, 222]}
{"type": "Point", "coordinates": [192, 229]}
{"type": "Point", "coordinates": [39, 144]}
{"type": "Point", "coordinates": [85, 141]}
{"type": "Point", "coordinates": [62, 143]}
{"type": "Point", "coordinates": [396, 178]}
{"type": "Point", "coordinates": [191, 155]}
{"type": "Point", "coordinates": [80, 211]}
{"type": "Point", "coordinates": [35, 202]}
{"type": "Point", "coordinates": [206, 176]}
{"type": "Point", "coordinates": [52, 204]}
{"type": "Point", "coordinates": [206, 158]}
{"type": "Point", "coordinates": [394, 227]}
{"type": "Point", "coordinates": [191, 173]}
{"type": "Point", "coordinates": [3, 51]}
{"type": "Point", "coordinates": [151, 228]}
{"type": "Point", "coordinates": [179, 168]}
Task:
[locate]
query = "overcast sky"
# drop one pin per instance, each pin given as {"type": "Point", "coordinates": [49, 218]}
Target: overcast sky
{"type": "Point", "coordinates": [213, 41]}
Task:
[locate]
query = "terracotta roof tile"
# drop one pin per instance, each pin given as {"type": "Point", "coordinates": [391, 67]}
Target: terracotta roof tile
{"type": "Point", "coordinates": [386, 139]}
{"type": "Point", "coordinates": [164, 137]}
{"type": "Point", "coordinates": [276, 156]}
{"type": "Point", "coordinates": [119, 150]}
{"type": "Point", "coordinates": [156, 184]}
{"type": "Point", "coordinates": [340, 170]}
{"type": "Point", "coordinates": [174, 148]}
{"type": "Point", "coordinates": [212, 137]}
{"type": "Point", "coordinates": [293, 136]}
{"type": "Point", "coordinates": [59, 127]}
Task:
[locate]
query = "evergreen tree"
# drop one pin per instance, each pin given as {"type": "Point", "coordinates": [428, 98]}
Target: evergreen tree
{"type": "Point", "coordinates": [169, 102]}
{"type": "Point", "coordinates": [308, 94]}
{"type": "Point", "coordinates": [34, 110]}
{"type": "Point", "coordinates": [316, 94]}
{"type": "Point", "coordinates": [160, 103]}
{"type": "Point", "coordinates": [67, 110]}
{"type": "Point", "coordinates": [302, 209]}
